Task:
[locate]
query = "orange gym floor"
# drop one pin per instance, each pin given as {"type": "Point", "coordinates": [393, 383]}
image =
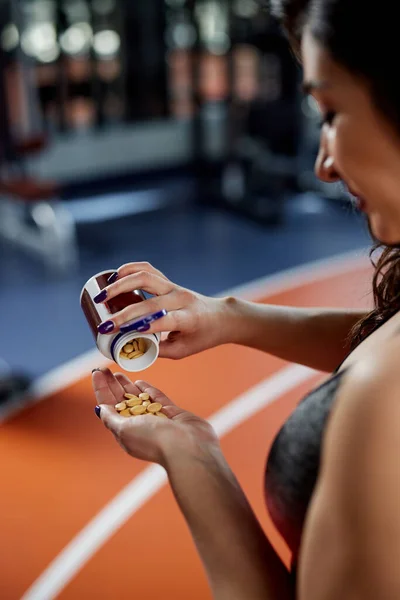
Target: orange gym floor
{"type": "Point", "coordinates": [80, 520]}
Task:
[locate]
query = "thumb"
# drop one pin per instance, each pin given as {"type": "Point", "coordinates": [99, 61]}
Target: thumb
{"type": "Point", "coordinates": [111, 419]}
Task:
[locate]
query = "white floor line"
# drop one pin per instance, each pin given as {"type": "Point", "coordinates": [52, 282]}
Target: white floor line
{"type": "Point", "coordinates": [83, 547]}
{"type": "Point", "coordinates": [72, 559]}
{"type": "Point", "coordinates": [56, 380]}
{"type": "Point", "coordinates": [318, 270]}
{"type": "Point", "coordinates": [64, 376]}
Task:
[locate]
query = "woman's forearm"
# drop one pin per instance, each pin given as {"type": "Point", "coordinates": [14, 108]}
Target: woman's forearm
{"type": "Point", "coordinates": [240, 562]}
{"type": "Point", "coordinates": [317, 338]}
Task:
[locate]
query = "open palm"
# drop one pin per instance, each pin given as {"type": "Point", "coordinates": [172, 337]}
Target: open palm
{"type": "Point", "coordinates": [144, 437]}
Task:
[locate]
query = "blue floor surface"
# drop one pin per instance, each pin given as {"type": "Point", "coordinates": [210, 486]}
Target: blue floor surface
{"type": "Point", "coordinates": [208, 250]}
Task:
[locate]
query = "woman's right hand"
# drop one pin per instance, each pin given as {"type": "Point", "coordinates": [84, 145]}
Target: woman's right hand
{"type": "Point", "coordinates": [194, 322]}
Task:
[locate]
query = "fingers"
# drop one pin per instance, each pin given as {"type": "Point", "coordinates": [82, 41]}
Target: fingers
{"type": "Point", "coordinates": [121, 427]}
{"type": "Point", "coordinates": [143, 280]}
{"type": "Point", "coordinates": [115, 386]}
{"type": "Point", "coordinates": [175, 320]}
{"type": "Point", "coordinates": [134, 312]}
{"type": "Point", "coordinates": [102, 390]}
{"type": "Point", "coordinates": [169, 408]}
{"type": "Point", "coordinates": [126, 383]}
{"type": "Point", "coordinates": [102, 380]}
{"type": "Point", "coordinates": [155, 394]}
{"type": "Point", "coordinates": [132, 268]}
{"type": "Point", "coordinates": [112, 419]}
{"type": "Point", "coordinates": [106, 399]}
{"type": "Point", "coordinates": [107, 389]}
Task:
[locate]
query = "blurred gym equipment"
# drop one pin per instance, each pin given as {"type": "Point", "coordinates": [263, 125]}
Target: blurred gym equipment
{"type": "Point", "coordinates": [126, 88]}
{"type": "Point", "coordinates": [31, 217]}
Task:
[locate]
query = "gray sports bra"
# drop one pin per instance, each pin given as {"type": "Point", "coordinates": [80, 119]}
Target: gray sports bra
{"type": "Point", "coordinates": [294, 462]}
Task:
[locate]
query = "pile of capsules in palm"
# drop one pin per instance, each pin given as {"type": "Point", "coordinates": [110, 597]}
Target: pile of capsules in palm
{"type": "Point", "coordinates": [136, 406]}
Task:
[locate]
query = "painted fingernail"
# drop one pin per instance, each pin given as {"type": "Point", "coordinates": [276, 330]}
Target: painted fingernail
{"type": "Point", "coordinates": [140, 327]}
{"type": "Point", "coordinates": [100, 297]}
{"type": "Point", "coordinates": [113, 278]}
{"type": "Point", "coordinates": [95, 370]}
{"type": "Point", "coordinates": [97, 410]}
{"type": "Point", "coordinates": [143, 324]}
{"type": "Point", "coordinates": [106, 327]}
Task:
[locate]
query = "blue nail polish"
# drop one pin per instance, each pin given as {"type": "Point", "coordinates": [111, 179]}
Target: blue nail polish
{"type": "Point", "coordinates": [143, 324]}
{"type": "Point", "coordinates": [106, 327]}
{"type": "Point", "coordinates": [97, 410]}
{"type": "Point", "coordinates": [113, 278]}
{"type": "Point", "coordinates": [100, 297]}
{"type": "Point", "coordinates": [139, 326]}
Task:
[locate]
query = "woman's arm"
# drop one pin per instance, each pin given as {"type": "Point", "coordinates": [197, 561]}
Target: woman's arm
{"type": "Point", "coordinates": [317, 338]}
{"type": "Point", "coordinates": [240, 562]}
{"type": "Point", "coordinates": [351, 545]}
{"type": "Point", "coordinates": [313, 337]}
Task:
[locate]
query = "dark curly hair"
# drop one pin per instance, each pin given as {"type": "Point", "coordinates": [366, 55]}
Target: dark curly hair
{"type": "Point", "coordinates": [364, 40]}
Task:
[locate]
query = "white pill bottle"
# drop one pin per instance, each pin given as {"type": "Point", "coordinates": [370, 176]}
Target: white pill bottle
{"type": "Point", "coordinates": [111, 345]}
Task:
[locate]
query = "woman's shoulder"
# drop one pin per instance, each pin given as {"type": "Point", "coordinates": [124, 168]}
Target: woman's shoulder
{"type": "Point", "coordinates": [370, 389]}
{"type": "Point", "coordinates": [355, 503]}
{"type": "Point", "coordinates": [381, 367]}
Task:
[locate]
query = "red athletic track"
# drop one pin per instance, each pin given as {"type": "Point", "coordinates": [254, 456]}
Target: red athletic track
{"type": "Point", "coordinates": [59, 467]}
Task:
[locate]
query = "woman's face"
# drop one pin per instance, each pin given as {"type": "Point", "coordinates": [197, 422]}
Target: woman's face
{"type": "Point", "coordinates": [357, 144]}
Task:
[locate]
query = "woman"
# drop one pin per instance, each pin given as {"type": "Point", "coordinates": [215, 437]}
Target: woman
{"type": "Point", "coordinates": [332, 480]}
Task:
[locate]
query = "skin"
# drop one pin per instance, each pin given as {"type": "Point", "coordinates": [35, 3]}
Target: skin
{"type": "Point", "coordinates": [346, 153]}
{"type": "Point", "coordinates": [313, 337]}
{"type": "Point", "coordinates": [351, 538]}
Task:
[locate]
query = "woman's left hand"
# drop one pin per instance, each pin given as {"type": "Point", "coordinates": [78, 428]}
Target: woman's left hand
{"type": "Point", "coordinates": [149, 438]}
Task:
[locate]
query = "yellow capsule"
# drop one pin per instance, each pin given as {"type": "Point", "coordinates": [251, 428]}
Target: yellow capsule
{"type": "Point", "coordinates": [123, 355]}
{"type": "Point", "coordinates": [128, 348]}
{"type": "Point", "coordinates": [160, 414]}
{"type": "Point", "coordinates": [121, 406]}
{"type": "Point", "coordinates": [136, 354]}
{"type": "Point", "coordinates": [138, 410]}
{"type": "Point", "coordinates": [146, 403]}
{"type": "Point", "coordinates": [135, 346]}
{"type": "Point", "coordinates": [130, 396]}
{"type": "Point", "coordinates": [142, 345]}
{"type": "Point", "coordinates": [155, 407]}
{"type": "Point", "coordinates": [133, 402]}
{"type": "Point", "coordinates": [144, 396]}
{"type": "Point", "coordinates": [125, 413]}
